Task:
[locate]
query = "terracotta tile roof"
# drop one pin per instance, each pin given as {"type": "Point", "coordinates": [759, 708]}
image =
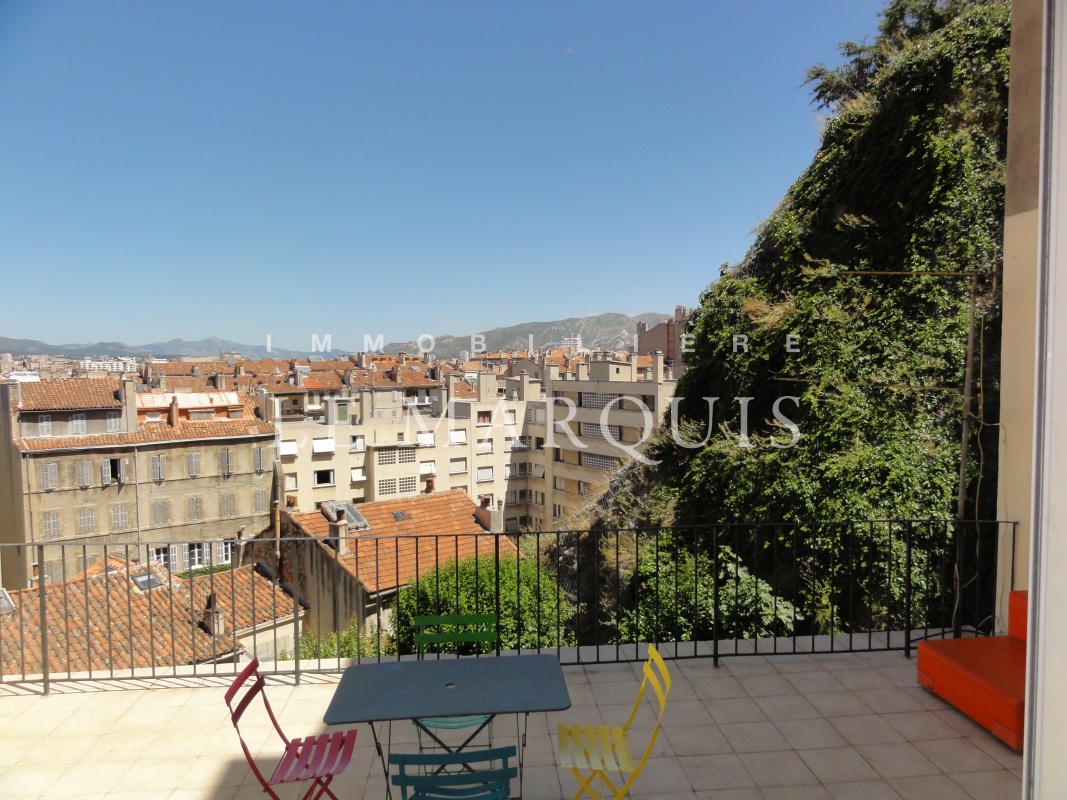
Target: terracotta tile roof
{"type": "Point", "coordinates": [188, 383]}
{"type": "Point", "coordinates": [324, 379]}
{"type": "Point", "coordinates": [69, 393]}
{"type": "Point", "coordinates": [119, 625]}
{"type": "Point", "coordinates": [464, 391]}
{"type": "Point", "coordinates": [392, 551]}
{"type": "Point", "coordinates": [247, 598]}
{"type": "Point", "coordinates": [188, 367]}
{"type": "Point", "coordinates": [248, 425]}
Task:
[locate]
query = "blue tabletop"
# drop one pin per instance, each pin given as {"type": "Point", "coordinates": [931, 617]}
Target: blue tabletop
{"type": "Point", "coordinates": [448, 687]}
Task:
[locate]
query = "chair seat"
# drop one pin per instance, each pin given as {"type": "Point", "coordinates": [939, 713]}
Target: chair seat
{"type": "Point", "coordinates": [598, 747]}
{"type": "Point", "coordinates": [314, 757]}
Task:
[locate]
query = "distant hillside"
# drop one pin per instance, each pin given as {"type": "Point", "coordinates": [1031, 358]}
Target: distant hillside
{"type": "Point", "coordinates": [609, 331]}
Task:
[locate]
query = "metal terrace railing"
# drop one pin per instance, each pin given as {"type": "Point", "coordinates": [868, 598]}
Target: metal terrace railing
{"type": "Point", "coordinates": [138, 610]}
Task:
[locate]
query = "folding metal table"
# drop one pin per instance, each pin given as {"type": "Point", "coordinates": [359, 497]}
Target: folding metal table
{"type": "Point", "coordinates": [492, 685]}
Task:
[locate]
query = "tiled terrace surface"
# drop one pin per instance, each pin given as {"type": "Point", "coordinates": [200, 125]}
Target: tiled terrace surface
{"type": "Point", "coordinates": [800, 726]}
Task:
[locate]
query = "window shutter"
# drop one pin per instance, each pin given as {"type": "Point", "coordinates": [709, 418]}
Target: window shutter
{"type": "Point", "coordinates": [105, 473]}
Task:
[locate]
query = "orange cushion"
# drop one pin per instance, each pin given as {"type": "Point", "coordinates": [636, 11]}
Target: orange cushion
{"type": "Point", "coordinates": [983, 676]}
{"type": "Point", "coordinates": [1017, 615]}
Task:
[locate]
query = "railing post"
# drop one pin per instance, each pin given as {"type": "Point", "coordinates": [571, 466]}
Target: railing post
{"type": "Point", "coordinates": [957, 584]}
{"type": "Point", "coordinates": [715, 595]}
{"type": "Point", "coordinates": [907, 587]}
{"type": "Point", "coordinates": [44, 617]}
{"type": "Point", "coordinates": [496, 594]}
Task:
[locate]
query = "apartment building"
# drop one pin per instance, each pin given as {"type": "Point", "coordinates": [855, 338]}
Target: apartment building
{"type": "Point", "coordinates": [95, 461]}
{"type": "Point", "coordinates": [391, 428]}
{"type": "Point", "coordinates": [579, 428]}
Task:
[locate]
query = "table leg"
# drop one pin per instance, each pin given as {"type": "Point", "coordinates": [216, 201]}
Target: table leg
{"type": "Point", "coordinates": [381, 757]}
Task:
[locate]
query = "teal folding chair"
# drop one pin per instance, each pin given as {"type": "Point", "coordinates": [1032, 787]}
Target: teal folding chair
{"type": "Point", "coordinates": [449, 632]}
{"type": "Point", "coordinates": [455, 776]}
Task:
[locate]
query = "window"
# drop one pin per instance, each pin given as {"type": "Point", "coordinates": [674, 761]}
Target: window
{"type": "Point", "coordinates": [387, 456]}
{"type": "Point", "coordinates": [110, 471]}
{"type": "Point", "coordinates": [77, 424]}
{"type": "Point", "coordinates": [120, 518]}
{"type": "Point", "coordinates": [195, 554]}
{"type": "Point", "coordinates": [259, 459]}
{"type": "Point", "coordinates": [557, 454]}
{"type": "Point", "coordinates": [359, 474]}
{"type": "Point", "coordinates": [485, 473]}
{"type": "Point", "coordinates": [153, 416]}
{"type": "Point", "coordinates": [160, 512]}
{"type": "Point", "coordinates": [537, 470]}
{"type": "Point", "coordinates": [49, 476]}
{"type": "Point", "coordinates": [259, 501]}
{"type": "Point", "coordinates": [596, 400]}
{"type": "Point", "coordinates": [485, 417]}
{"type": "Point", "coordinates": [323, 445]}
{"type": "Point", "coordinates": [290, 482]}
{"type": "Point", "coordinates": [597, 431]}
{"type": "Point", "coordinates": [511, 524]}
{"type": "Point", "coordinates": [400, 436]}
{"type": "Point", "coordinates": [509, 470]}
{"type": "Point", "coordinates": [112, 421]}
{"type": "Point", "coordinates": [53, 571]}
{"type": "Point", "coordinates": [228, 505]}
{"type": "Point", "coordinates": [147, 581]}
{"type": "Point", "coordinates": [358, 444]}
{"type": "Point", "coordinates": [485, 498]}
{"type": "Point", "coordinates": [224, 551]}
{"type": "Point", "coordinates": [457, 436]}
{"type": "Point", "coordinates": [226, 462]}
{"type": "Point", "coordinates": [287, 448]}
{"type": "Point", "coordinates": [165, 556]}
{"type": "Point", "coordinates": [44, 425]}
{"type": "Point", "coordinates": [584, 488]}
{"type": "Point", "coordinates": [427, 467]}
{"type": "Point", "coordinates": [50, 524]}
{"type": "Point", "coordinates": [409, 483]}
{"type": "Point", "coordinates": [424, 438]}
{"type": "Point", "coordinates": [194, 508]}
{"type": "Point", "coordinates": [406, 456]}
{"type": "Point", "coordinates": [192, 464]}
{"type": "Point", "coordinates": [483, 446]}
{"type": "Point", "coordinates": [387, 486]}
{"type": "Point", "coordinates": [457, 465]}
{"type": "Point", "coordinates": [83, 473]}
{"type": "Point", "coordinates": [595, 461]}
{"type": "Point", "coordinates": [557, 510]}
{"type": "Point", "coordinates": [509, 416]}
{"type": "Point", "coordinates": [522, 469]}
{"type": "Point", "coordinates": [159, 467]}
{"type": "Point", "coordinates": [323, 477]}
{"type": "Point", "coordinates": [342, 412]}
{"type": "Point", "coordinates": [559, 483]}
{"type": "Point", "coordinates": [86, 521]}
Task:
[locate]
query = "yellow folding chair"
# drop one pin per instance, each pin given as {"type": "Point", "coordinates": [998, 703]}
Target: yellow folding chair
{"type": "Point", "coordinates": [592, 751]}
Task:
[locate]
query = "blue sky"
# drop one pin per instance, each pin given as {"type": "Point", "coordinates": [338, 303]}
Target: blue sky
{"type": "Point", "coordinates": [242, 169]}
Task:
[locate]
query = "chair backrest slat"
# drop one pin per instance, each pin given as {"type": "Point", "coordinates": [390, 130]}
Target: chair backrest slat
{"type": "Point", "coordinates": [461, 628]}
{"type": "Point", "coordinates": [471, 783]}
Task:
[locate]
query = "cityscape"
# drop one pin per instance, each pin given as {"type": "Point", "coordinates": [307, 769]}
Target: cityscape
{"type": "Point", "coordinates": [649, 401]}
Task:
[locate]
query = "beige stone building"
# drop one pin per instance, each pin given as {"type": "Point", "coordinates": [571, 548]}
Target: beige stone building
{"type": "Point", "coordinates": [93, 461]}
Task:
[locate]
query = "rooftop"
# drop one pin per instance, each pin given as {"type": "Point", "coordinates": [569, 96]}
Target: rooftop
{"type": "Point", "coordinates": [831, 727]}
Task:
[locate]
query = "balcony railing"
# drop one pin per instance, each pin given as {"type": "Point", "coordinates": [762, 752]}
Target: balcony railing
{"type": "Point", "coordinates": [109, 611]}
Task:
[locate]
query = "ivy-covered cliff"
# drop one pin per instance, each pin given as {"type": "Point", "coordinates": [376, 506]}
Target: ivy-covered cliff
{"type": "Point", "coordinates": [854, 300]}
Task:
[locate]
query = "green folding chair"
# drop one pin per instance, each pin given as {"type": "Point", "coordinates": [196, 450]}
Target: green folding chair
{"type": "Point", "coordinates": [454, 776]}
{"type": "Point", "coordinates": [439, 632]}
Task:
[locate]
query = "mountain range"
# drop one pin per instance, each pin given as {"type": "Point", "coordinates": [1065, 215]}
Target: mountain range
{"type": "Point", "coordinates": [609, 331]}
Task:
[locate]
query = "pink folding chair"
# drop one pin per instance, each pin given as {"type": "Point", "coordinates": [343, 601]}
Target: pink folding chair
{"type": "Point", "coordinates": [313, 758]}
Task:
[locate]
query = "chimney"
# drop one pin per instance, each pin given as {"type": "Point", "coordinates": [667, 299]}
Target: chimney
{"type": "Point", "coordinates": [362, 360]}
{"type": "Point", "coordinates": [338, 530]}
{"type": "Point", "coordinates": [402, 358]}
{"type": "Point", "coordinates": [487, 386]}
{"type": "Point", "coordinates": [299, 378]}
{"type": "Point", "coordinates": [583, 371]}
{"type": "Point", "coordinates": [129, 405]}
{"type": "Point", "coordinates": [657, 366]}
{"type": "Point", "coordinates": [347, 379]}
{"type": "Point", "coordinates": [491, 519]}
{"type": "Point", "coordinates": [172, 417]}
{"type": "Point", "coordinates": [222, 382]}
{"type": "Point", "coordinates": [451, 379]}
{"type": "Point", "coordinates": [214, 620]}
